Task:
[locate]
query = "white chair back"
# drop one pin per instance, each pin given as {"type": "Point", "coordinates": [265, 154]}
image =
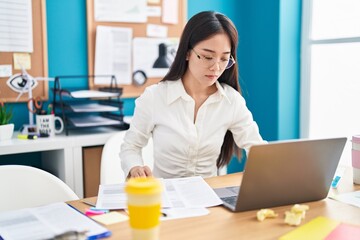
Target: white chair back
{"type": "Point", "coordinates": [110, 167]}
{"type": "Point", "coordinates": [25, 186]}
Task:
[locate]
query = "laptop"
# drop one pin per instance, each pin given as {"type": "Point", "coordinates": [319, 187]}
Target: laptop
{"type": "Point", "coordinates": [283, 173]}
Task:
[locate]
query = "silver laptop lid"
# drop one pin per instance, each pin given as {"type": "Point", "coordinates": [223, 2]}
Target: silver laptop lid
{"type": "Point", "coordinates": [289, 172]}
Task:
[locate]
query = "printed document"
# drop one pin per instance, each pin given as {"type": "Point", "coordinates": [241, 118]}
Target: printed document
{"type": "Point", "coordinates": [16, 26]}
{"type": "Point", "coordinates": [352, 198]}
{"type": "Point", "coordinates": [113, 196]}
{"type": "Point", "coordinates": [191, 192]}
{"type": "Point", "coordinates": [46, 222]}
{"type": "Point", "coordinates": [120, 11]}
{"type": "Point", "coordinates": [113, 54]}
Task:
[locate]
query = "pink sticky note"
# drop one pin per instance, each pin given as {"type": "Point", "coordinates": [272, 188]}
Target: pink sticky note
{"type": "Point", "coordinates": [90, 212]}
{"type": "Point", "coordinates": [344, 232]}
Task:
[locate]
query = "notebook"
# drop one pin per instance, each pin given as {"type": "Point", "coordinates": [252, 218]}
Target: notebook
{"type": "Point", "coordinates": [52, 221]}
{"type": "Point", "coordinates": [285, 172]}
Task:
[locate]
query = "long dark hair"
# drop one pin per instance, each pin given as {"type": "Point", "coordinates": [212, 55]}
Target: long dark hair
{"type": "Point", "coordinates": [200, 27]}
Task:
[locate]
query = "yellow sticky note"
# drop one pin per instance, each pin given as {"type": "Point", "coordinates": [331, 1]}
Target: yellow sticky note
{"type": "Point", "coordinates": [317, 228]}
{"type": "Point", "coordinates": [22, 60]}
{"type": "Point", "coordinates": [110, 218]}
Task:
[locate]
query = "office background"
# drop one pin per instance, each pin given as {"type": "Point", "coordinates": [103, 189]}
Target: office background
{"type": "Point", "coordinates": [268, 58]}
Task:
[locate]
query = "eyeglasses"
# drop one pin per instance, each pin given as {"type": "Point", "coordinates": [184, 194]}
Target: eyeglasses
{"type": "Point", "coordinates": [208, 61]}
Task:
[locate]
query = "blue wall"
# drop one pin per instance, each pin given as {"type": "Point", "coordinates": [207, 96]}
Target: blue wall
{"type": "Point", "coordinates": [269, 56]}
{"type": "Point", "coordinates": [289, 69]}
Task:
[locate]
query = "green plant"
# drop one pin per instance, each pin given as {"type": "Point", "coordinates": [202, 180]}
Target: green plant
{"type": "Point", "coordinates": [6, 114]}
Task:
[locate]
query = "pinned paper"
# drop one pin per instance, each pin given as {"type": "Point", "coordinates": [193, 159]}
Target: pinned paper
{"type": "Point", "coordinates": [170, 11]}
{"type": "Point", "coordinates": [5, 71]}
{"type": "Point", "coordinates": [153, 11]}
{"type": "Point", "coordinates": [22, 60]}
{"type": "Point", "coordinates": [154, 30]}
{"type": "Point", "coordinates": [110, 218]}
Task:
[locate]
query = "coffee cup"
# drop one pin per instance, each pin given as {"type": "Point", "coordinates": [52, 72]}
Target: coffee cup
{"type": "Point", "coordinates": [356, 158]}
{"type": "Point", "coordinates": [144, 204]}
{"type": "Point", "coordinates": [46, 125]}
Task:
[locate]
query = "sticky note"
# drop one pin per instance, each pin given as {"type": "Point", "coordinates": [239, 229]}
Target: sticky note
{"type": "Point", "coordinates": [22, 60]}
{"type": "Point", "coordinates": [110, 218]}
{"type": "Point", "coordinates": [344, 232]}
{"type": "Point", "coordinates": [317, 228]}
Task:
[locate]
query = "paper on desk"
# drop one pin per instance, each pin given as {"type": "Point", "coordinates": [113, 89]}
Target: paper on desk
{"type": "Point", "coordinates": [113, 196]}
{"type": "Point", "coordinates": [46, 222]}
{"type": "Point", "coordinates": [176, 213]}
{"type": "Point", "coordinates": [191, 192]}
{"type": "Point", "coordinates": [352, 198]}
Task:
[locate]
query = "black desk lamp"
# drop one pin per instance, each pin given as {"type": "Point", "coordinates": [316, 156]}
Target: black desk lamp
{"type": "Point", "coordinates": [162, 61]}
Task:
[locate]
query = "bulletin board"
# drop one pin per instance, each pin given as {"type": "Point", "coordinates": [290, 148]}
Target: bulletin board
{"type": "Point", "coordinates": [139, 30]}
{"type": "Point", "coordinates": [39, 64]}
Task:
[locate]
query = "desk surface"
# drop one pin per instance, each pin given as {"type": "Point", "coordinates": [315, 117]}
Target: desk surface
{"type": "Point", "coordinates": [223, 224]}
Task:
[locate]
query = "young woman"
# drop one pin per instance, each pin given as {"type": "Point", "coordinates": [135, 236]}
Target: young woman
{"type": "Point", "coordinates": [196, 114]}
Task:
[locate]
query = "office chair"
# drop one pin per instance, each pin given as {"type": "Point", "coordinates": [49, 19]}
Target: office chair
{"type": "Point", "coordinates": [110, 167]}
{"type": "Point", "coordinates": [25, 186]}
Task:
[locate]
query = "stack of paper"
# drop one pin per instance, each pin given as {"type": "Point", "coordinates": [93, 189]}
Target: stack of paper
{"type": "Point", "coordinates": [47, 222]}
{"type": "Point", "coordinates": [352, 198]}
{"type": "Point", "coordinates": [182, 197]}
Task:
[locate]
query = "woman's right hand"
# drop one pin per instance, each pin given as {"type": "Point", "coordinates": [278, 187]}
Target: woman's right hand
{"type": "Point", "coordinates": [140, 171]}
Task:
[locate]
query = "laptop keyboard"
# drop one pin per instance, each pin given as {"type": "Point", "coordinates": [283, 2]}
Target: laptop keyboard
{"type": "Point", "coordinates": [230, 200]}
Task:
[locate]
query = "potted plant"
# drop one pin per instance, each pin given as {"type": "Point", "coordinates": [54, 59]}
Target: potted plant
{"type": "Point", "coordinates": [6, 128]}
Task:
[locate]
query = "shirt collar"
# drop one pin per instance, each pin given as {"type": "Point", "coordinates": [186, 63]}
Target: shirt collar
{"type": "Point", "coordinates": [221, 91]}
{"type": "Point", "coordinates": [177, 90]}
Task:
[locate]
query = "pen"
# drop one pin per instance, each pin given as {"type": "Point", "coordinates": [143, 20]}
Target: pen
{"type": "Point", "coordinates": [24, 136]}
{"type": "Point", "coordinates": [49, 110]}
{"type": "Point", "coordinates": [89, 203]}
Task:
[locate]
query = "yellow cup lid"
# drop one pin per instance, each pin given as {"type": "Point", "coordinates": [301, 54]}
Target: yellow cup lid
{"type": "Point", "coordinates": [144, 185]}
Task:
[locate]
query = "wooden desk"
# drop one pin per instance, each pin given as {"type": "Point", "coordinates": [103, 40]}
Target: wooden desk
{"type": "Point", "coordinates": [223, 224]}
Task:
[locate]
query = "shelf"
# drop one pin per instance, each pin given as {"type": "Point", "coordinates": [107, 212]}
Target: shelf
{"type": "Point", "coordinates": [92, 121]}
{"type": "Point", "coordinates": [92, 107]}
{"type": "Point", "coordinates": [93, 94]}
{"type": "Point", "coordinates": [83, 108]}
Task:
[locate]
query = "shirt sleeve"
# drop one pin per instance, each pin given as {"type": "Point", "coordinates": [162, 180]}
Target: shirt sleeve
{"type": "Point", "coordinates": [138, 134]}
{"type": "Point", "coordinates": [244, 129]}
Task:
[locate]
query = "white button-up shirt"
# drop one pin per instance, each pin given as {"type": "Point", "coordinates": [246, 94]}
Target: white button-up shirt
{"type": "Point", "coordinates": [183, 148]}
